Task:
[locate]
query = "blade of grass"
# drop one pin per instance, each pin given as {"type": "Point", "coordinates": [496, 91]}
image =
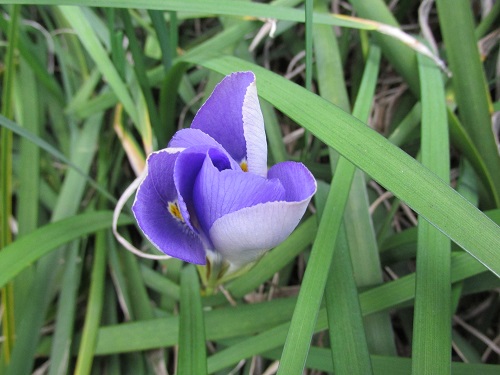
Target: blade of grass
{"type": "Point", "coordinates": [50, 266]}
{"type": "Point", "coordinates": [432, 318]}
{"type": "Point", "coordinates": [210, 7]}
{"type": "Point", "coordinates": [31, 247]}
{"type": "Point", "coordinates": [192, 353]}
{"type": "Point", "coordinates": [313, 284]}
{"type": "Point", "coordinates": [26, 49]}
{"type": "Point", "coordinates": [140, 73]}
{"type": "Point", "coordinates": [487, 21]}
{"type": "Point", "coordinates": [28, 171]}
{"type": "Point", "coordinates": [331, 84]}
{"type": "Point", "coordinates": [254, 318]}
{"type": "Point", "coordinates": [94, 307]}
{"type": "Point", "coordinates": [220, 323]}
{"type": "Point", "coordinates": [7, 109]}
{"type": "Point", "coordinates": [347, 334]}
{"type": "Point", "coordinates": [309, 42]}
{"type": "Point", "coordinates": [469, 82]}
{"type": "Point", "coordinates": [387, 164]}
{"type": "Point", "coordinates": [359, 226]}
{"type": "Point", "coordinates": [164, 38]}
{"type": "Point", "coordinates": [65, 318]}
{"type": "Point", "coordinates": [23, 132]}
{"type": "Point", "coordinates": [400, 56]}
{"type": "Point", "coordinates": [318, 359]}
{"type": "Point", "coordinates": [88, 37]}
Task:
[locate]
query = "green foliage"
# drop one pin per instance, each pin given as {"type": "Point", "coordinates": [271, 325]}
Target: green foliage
{"type": "Point", "coordinates": [89, 90]}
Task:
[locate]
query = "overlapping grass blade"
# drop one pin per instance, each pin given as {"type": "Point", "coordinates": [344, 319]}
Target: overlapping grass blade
{"type": "Point", "coordinates": [89, 39]}
{"type": "Point", "coordinates": [391, 167]}
{"type": "Point", "coordinates": [6, 139]}
{"type": "Point", "coordinates": [469, 83]}
{"type": "Point", "coordinates": [432, 318]}
{"type": "Point", "coordinates": [15, 257]}
{"type": "Point", "coordinates": [192, 352]}
{"type": "Point", "coordinates": [94, 307]}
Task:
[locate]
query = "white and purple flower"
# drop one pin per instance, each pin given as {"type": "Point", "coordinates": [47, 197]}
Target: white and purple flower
{"type": "Point", "coordinates": [210, 194]}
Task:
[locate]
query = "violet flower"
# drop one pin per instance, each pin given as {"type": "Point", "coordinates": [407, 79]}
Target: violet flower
{"type": "Point", "coordinates": [210, 195]}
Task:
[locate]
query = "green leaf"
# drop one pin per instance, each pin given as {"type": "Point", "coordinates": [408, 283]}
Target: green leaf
{"type": "Point", "coordinates": [26, 250]}
{"type": "Point", "coordinates": [421, 189]}
{"type": "Point", "coordinates": [432, 318]}
{"type": "Point", "coordinates": [192, 352]}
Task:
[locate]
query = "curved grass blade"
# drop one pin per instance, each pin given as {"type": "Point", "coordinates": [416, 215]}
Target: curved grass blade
{"type": "Point", "coordinates": [22, 132]}
{"type": "Point", "coordinates": [211, 7]}
{"type": "Point", "coordinates": [387, 164]}
{"type": "Point", "coordinates": [89, 39]}
{"type": "Point", "coordinates": [20, 254]}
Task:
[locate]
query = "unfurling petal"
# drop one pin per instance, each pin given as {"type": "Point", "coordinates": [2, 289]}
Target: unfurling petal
{"type": "Point", "coordinates": [194, 137]}
{"type": "Point", "coordinates": [242, 236]}
{"type": "Point", "coordinates": [220, 192]}
{"type": "Point", "coordinates": [186, 170]}
{"type": "Point", "coordinates": [254, 132]}
{"type": "Point", "coordinates": [299, 183]}
{"type": "Point", "coordinates": [232, 117]}
{"type": "Point", "coordinates": [157, 212]}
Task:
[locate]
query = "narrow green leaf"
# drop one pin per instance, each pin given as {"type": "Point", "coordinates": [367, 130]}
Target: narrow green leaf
{"type": "Point", "coordinates": [142, 79]}
{"type": "Point", "coordinates": [220, 323]}
{"type": "Point", "coordinates": [400, 56]}
{"type": "Point", "coordinates": [387, 164]}
{"type": "Point", "coordinates": [94, 47]}
{"type": "Point", "coordinates": [66, 309]}
{"type": "Point", "coordinates": [313, 284]}
{"type": "Point", "coordinates": [19, 130]}
{"type": "Point", "coordinates": [6, 142]}
{"type": "Point", "coordinates": [94, 307]}
{"type": "Point", "coordinates": [347, 334]}
{"type": "Point", "coordinates": [432, 317]}
{"type": "Point", "coordinates": [192, 352]}
{"type": "Point", "coordinates": [20, 254]}
{"type": "Point", "coordinates": [469, 82]}
{"type": "Point", "coordinates": [309, 42]}
{"type": "Point", "coordinates": [221, 7]}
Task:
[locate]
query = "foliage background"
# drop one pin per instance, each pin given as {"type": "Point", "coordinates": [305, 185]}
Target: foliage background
{"type": "Point", "coordinates": [394, 270]}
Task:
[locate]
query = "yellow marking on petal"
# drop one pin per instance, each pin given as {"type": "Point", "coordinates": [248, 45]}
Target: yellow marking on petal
{"type": "Point", "coordinates": [175, 211]}
{"type": "Point", "coordinates": [244, 166]}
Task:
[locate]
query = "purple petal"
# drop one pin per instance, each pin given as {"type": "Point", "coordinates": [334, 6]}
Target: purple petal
{"type": "Point", "coordinates": [186, 170]}
{"type": "Point", "coordinates": [155, 211]}
{"type": "Point", "coordinates": [244, 235]}
{"type": "Point", "coordinates": [232, 117]}
{"type": "Point", "coordinates": [192, 137]}
{"type": "Point", "coordinates": [219, 192]}
{"type": "Point", "coordinates": [187, 138]}
{"type": "Point", "coordinates": [298, 182]}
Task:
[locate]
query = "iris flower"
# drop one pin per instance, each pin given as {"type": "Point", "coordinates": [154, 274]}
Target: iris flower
{"type": "Point", "coordinates": [209, 194]}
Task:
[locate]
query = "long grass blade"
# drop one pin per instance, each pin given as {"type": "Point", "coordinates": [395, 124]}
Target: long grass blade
{"type": "Point", "coordinates": [469, 82]}
{"type": "Point", "coordinates": [432, 318]}
{"type": "Point", "coordinates": [191, 326]}
{"type": "Point", "coordinates": [94, 307]}
{"type": "Point", "coordinates": [394, 169]}
{"type": "Point", "coordinates": [7, 109]}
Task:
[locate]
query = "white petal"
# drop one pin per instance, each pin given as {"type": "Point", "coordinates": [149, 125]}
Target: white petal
{"type": "Point", "coordinates": [243, 236]}
{"type": "Point", "coordinates": [254, 132]}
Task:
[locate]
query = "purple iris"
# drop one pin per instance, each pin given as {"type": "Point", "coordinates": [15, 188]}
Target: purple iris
{"type": "Point", "coordinates": [209, 193]}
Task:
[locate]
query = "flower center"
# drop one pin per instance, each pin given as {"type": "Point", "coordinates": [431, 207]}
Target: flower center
{"type": "Point", "coordinates": [244, 166]}
{"type": "Point", "coordinates": [173, 208]}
